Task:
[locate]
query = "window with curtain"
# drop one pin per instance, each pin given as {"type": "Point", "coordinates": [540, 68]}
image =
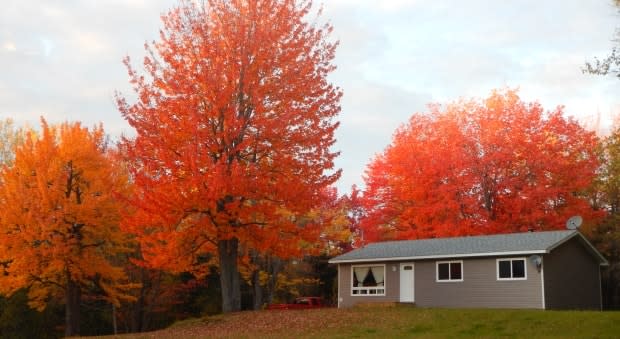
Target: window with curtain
{"type": "Point", "coordinates": [368, 280]}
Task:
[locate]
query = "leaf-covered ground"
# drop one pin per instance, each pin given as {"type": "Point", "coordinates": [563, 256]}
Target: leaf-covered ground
{"type": "Point", "coordinates": [398, 321]}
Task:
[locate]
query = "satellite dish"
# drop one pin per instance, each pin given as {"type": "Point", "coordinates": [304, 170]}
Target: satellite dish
{"type": "Point", "coordinates": [574, 222]}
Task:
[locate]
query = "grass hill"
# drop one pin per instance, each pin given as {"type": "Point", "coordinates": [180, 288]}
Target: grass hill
{"type": "Point", "coordinates": [396, 321]}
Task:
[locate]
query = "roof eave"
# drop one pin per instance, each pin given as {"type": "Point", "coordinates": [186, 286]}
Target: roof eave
{"type": "Point", "coordinates": [441, 256]}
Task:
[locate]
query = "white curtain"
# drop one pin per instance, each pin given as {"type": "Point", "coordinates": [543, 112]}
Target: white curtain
{"type": "Point", "coordinates": [378, 273]}
{"type": "Point", "coordinates": [360, 274]}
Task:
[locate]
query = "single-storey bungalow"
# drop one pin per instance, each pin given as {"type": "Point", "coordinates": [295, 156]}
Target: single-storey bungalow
{"type": "Point", "coordinates": [544, 270]}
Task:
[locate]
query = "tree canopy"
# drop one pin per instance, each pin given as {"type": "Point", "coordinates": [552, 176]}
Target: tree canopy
{"type": "Point", "coordinates": [235, 118]}
{"type": "Point", "coordinates": [479, 167]}
{"type": "Point", "coordinates": [59, 222]}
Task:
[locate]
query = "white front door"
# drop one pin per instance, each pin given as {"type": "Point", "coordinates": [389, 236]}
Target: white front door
{"type": "Point", "coordinates": [406, 283]}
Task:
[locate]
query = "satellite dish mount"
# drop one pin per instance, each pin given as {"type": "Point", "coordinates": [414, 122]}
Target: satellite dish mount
{"type": "Point", "coordinates": [536, 260]}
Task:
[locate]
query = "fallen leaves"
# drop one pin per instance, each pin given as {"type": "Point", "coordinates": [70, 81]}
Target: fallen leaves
{"type": "Point", "coordinates": [286, 323]}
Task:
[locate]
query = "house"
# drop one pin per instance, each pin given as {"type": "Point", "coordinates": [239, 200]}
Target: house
{"type": "Point", "coordinates": [544, 270]}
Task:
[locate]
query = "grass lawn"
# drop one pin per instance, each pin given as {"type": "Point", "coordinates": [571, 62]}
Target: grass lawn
{"type": "Point", "coordinates": [397, 321]}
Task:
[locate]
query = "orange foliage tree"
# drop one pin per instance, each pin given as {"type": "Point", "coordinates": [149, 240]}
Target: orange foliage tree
{"type": "Point", "coordinates": [59, 228]}
{"type": "Point", "coordinates": [234, 121]}
{"type": "Point", "coordinates": [478, 167]}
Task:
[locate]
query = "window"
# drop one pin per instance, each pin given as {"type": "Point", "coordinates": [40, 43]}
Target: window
{"type": "Point", "coordinates": [449, 271]}
{"type": "Point", "coordinates": [511, 269]}
{"type": "Point", "coordinates": [368, 280]}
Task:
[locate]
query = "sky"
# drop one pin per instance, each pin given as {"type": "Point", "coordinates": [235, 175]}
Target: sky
{"type": "Point", "coordinates": [62, 60]}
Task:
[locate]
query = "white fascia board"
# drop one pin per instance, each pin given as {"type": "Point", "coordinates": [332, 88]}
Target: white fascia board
{"type": "Point", "coordinates": [440, 256]}
{"type": "Point", "coordinates": [542, 282]}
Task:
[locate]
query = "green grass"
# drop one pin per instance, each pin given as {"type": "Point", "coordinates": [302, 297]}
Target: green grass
{"type": "Point", "coordinates": [398, 321]}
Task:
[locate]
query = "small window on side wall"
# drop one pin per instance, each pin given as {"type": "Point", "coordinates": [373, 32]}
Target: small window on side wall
{"type": "Point", "coordinates": [511, 269]}
{"type": "Point", "coordinates": [449, 271]}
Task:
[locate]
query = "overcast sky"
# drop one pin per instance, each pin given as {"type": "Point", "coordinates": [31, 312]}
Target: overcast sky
{"type": "Point", "coordinates": [62, 60]}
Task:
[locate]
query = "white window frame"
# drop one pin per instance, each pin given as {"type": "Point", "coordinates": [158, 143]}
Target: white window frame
{"type": "Point", "coordinates": [497, 261]}
{"type": "Point", "coordinates": [449, 280]}
{"type": "Point", "coordinates": [369, 288]}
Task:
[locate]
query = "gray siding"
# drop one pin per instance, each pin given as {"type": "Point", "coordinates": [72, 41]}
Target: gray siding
{"type": "Point", "coordinates": [571, 276]}
{"type": "Point", "coordinates": [572, 279]}
{"type": "Point", "coordinates": [479, 288]}
{"type": "Point", "coordinates": [392, 286]}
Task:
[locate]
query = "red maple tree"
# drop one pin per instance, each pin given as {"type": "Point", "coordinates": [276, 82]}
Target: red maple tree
{"type": "Point", "coordinates": [234, 120]}
{"type": "Point", "coordinates": [496, 165]}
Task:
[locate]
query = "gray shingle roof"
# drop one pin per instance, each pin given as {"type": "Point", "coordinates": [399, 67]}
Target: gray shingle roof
{"type": "Point", "coordinates": [500, 244]}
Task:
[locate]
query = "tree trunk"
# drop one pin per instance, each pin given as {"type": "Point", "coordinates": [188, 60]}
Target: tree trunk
{"type": "Point", "coordinates": [274, 266]}
{"type": "Point", "coordinates": [72, 307]}
{"type": "Point", "coordinates": [257, 288]}
{"type": "Point", "coordinates": [229, 275]}
{"type": "Point", "coordinates": [137, 309]}
{"type": "Point", "coordinates": [115, 331]}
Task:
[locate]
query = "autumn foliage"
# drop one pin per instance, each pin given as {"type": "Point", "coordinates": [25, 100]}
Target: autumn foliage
{"type": "Point", "coordinates": [234, 122]}
{"type": "Point", "coordinates": [230, 175]}
{"type": "Point", "coordinates": [479, 167]}
{"type": "Point", "coordinates": [59, 221]}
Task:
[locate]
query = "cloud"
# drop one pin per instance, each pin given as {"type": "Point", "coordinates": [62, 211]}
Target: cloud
{"type": "Point", "coordinates": [386, 7]}
{"type": "Point", "coordinates": [371, 112]}
{"type": "Point", "coordinates": [9, 46]}
{"type": "Point", "coordinates": [62, 59]}
{"type": "Point", "coordinates": [66, 58]}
